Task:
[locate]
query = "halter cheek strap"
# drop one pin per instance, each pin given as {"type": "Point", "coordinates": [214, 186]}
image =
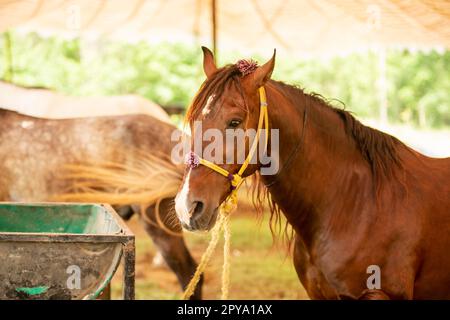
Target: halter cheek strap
{"type": "Point", "coordinates": [236, 179]}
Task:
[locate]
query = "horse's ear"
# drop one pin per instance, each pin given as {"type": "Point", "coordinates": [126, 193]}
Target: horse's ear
{"type": "Point", "coordinates": [263, 73]}
{"type": "Point", "coordinates": [209, 66]}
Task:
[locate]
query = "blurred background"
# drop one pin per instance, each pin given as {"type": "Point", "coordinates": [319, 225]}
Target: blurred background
{"type": "Point", "coordinates": [387, 61]}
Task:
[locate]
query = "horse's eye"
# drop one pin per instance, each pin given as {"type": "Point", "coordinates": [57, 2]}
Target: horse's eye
{"type": "Point", "coordinates": [234, 123]}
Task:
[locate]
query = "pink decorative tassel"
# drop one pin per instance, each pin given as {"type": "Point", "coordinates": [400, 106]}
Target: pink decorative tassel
{"type": "Point", "coordinates": [246, 66]}
{"type": "Point", "coordinates": [192, 160]}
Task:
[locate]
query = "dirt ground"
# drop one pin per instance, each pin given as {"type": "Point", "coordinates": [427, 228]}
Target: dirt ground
{"type": "Point", "coordinates": [260, 269]}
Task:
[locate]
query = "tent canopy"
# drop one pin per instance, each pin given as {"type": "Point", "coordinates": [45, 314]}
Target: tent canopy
{"type": "Point", "coordinates": [301, 27]}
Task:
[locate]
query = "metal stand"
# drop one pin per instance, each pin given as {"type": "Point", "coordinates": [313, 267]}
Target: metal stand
{"type": "Point", "coordinates": [129, 259]}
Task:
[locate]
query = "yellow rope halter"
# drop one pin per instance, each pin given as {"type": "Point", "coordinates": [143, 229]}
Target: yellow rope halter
{"type": "Point", "coordinates": [228, 206]}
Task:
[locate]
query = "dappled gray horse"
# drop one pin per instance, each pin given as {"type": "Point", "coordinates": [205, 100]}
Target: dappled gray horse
{"type": "Point", "coordinates": [34, 154]}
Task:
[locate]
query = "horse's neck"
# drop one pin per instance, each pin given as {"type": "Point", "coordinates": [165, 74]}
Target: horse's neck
{"type": "Point", "coordinates": [327, 176]}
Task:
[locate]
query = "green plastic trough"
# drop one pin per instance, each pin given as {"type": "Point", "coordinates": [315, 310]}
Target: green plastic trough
{"type": "Point", "coordinates": [62, 250]}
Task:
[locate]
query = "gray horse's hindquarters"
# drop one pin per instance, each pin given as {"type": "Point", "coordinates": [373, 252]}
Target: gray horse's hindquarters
{"type": "Point", "coordinates": [34, 152]}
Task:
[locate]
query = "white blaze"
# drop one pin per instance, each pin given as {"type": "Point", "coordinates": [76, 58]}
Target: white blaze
{"type": "Point", "coordinates": [207, 109]}
{"type": "Point", "coordinates": [181, 201]}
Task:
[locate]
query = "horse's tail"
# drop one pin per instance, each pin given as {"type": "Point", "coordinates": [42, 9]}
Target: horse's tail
{"type": "Point", "coordinates": [145, 181]}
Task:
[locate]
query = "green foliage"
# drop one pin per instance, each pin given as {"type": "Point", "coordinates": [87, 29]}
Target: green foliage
{"type": "Point", "coordinates": [350, 81]}
{"type": "Point", "coordinates": [420, 82]}
{"type": "Point", "coordinates": [165, 73]}
{"type": "Point", "coordinates": [170, 74]}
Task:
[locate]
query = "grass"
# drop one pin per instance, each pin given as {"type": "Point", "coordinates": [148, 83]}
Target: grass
{"type": "Point", "coordinates": [260, 269]}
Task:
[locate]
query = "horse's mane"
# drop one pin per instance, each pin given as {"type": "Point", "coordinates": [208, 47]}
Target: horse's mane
{"type": "Point", "coordinates": [379, 149]}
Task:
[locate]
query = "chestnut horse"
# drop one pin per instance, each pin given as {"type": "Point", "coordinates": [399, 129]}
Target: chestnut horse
{"type": "Point", "coordinates": [360, 202]}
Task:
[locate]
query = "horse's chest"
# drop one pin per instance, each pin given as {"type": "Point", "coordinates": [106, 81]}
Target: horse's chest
{"type": "Point", "coordinates": [311, 276]}
{"type": "Point", "coordinates": [316, 284]}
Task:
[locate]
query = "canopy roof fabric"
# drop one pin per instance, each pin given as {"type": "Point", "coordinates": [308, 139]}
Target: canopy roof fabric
{"type": "Point", "coordinates": [295, 26]}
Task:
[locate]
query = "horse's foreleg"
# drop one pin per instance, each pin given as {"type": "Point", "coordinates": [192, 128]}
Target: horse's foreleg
{"type": "Point", "coordinates": [172, 247]}
{"type": "Point", "coordinates": [309, 275]}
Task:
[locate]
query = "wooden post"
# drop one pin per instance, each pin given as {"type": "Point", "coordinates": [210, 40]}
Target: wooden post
{"type": "Point", "coordinates": [129, 260]}
{"type": "Point", "coordinates": [214, 27]}
{"type": "Point", "coordinates": [382, 86]}
{"type": "Point", "coordinates": [422, 115]}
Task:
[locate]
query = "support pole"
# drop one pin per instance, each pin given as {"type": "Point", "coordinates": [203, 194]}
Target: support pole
{"type": "Point", "coordinates": [214, 27]}
{"type": "Point", "coordinates": [129, 260]}
{"type": "Point", "coordinates": [382, 86]}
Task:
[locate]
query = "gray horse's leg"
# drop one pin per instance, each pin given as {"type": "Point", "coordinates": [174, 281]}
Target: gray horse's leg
{"type": "Point", "coordinates": [125, 212]}
{"type": "Point", "coordinates": [172, 247]}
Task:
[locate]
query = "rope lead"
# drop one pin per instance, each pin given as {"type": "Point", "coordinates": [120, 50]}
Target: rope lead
{"type": "Point", "coordinates": [228, 206]}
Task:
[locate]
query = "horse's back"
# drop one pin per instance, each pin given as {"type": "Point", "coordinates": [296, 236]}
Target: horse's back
{"type": "Point", "coordinates": [34, 151]}
{"type": "Point", "coordinates": [96, 106]}
{"type": "Point", "coordinates": [43, 103]}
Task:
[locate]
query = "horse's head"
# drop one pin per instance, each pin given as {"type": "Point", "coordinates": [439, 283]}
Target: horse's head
{"type": "Point", "coordinates": [225, 108]}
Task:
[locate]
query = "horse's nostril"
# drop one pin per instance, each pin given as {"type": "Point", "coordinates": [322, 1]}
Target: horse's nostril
{"type": "Point", "coordinates": [198, 208]}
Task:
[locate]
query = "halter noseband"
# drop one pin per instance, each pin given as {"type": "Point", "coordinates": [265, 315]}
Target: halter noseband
{"type": "Point", "coordinates": [193, 160]}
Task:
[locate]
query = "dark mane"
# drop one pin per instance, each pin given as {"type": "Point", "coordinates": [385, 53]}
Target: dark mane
{"type": "Point", "coordinates": [379, 149]}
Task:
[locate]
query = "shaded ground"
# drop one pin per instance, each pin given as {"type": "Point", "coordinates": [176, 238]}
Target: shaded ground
{"type": "Point", "coordinates": [260, 269]}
